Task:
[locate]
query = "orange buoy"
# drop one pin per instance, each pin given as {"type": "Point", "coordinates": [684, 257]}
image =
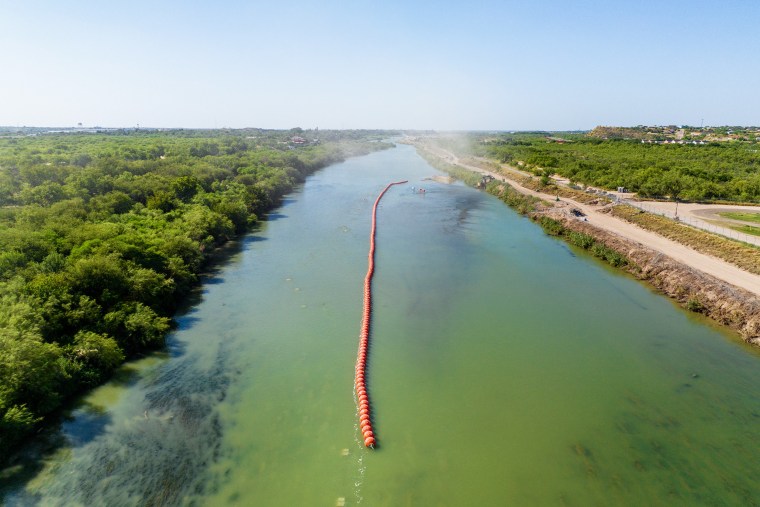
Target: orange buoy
{"type": "Point", "coordinates": [361, 359]}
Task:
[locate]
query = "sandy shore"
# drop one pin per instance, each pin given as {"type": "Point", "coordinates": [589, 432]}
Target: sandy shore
{"type": "Point", "coordinates": [678, 252]}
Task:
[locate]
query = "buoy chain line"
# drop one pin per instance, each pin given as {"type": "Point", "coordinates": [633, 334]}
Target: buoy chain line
{"type": "Point", "coordinates": [365, 413]}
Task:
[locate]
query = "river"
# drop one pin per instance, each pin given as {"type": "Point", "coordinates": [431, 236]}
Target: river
{"type": "Point", "coordinates": [505, 368]}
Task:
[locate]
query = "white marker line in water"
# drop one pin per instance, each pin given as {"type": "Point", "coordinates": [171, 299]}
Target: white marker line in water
{"type": "Point", "coordinates": [360, 467]}
{"type": "Point", "coordinates": [358, 484]}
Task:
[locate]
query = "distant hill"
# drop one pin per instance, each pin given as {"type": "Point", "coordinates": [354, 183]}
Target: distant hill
{"type": "Point", "coordinates": [602, 132]}
{"type": "Point", "coordinates": [677, 133]}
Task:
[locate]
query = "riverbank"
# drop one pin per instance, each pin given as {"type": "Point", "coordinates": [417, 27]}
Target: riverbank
{"type": "Point", "coordinates": [700, 283]}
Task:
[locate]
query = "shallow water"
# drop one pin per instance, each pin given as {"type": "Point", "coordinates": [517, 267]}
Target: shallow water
{"type": "Point", "coordinates": [505, 369]}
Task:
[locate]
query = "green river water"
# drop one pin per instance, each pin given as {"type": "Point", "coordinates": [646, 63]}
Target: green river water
{"type": "Point", "coordinates": [506, 369]}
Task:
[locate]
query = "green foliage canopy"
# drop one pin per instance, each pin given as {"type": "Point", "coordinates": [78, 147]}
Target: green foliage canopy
{"type": "Point", "coordinates": [727, 171]}
{"type": "Point", "coordinates": [101, 236]}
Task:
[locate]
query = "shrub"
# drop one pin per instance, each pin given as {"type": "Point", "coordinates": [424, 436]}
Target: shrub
{"type": "Point", "coordinates": [695, 305]}
{"type": "Point", "coordinates": [551, 226]}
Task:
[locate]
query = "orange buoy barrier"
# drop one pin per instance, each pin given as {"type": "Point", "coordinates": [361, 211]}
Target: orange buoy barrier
{"type": "Point", "coordinates": [365, 413]}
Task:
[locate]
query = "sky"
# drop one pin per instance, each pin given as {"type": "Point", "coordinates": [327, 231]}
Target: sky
{"type": "Point", "coordinates": [442, 65]}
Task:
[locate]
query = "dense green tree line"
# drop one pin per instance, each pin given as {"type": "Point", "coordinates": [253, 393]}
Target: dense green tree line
{"type": "Point", "coordinates": [102, 235]}
{"type": "Point", "coordinates": [716, 171]}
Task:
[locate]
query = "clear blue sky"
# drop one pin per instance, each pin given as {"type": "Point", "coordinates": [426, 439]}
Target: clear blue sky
{"type": "Point", "coordinates": [447, 65]}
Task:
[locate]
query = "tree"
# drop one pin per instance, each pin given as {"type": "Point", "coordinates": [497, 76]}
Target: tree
{"type": "Point", "coordinates": [673, 184]}
{"type": "Point", "coordinates": [545, 177]}
{"type": "Point", "coordinates": [95, 356]}
{"type": "Point", "coordinates": [185, 187]}
{"type": "Point", "coordinates": [17, 421]}
{"type": "Point", "coordinates": [31, 372]}
{"type": "Point", "coordinates": [103, 278]}
{"type": "Point", "coordinates": [111, 203]}
{"type": "Point", "coordinates": [136, 327]}
{"type": "Point", "coordinates": [162, 200]}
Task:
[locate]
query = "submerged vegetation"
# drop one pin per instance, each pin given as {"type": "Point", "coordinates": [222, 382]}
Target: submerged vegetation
{"type": "Point", "coordinates": [102, 236]}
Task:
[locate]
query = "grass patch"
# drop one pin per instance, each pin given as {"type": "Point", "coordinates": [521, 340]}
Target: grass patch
{"type": "Point", "coordinates": [741, 215]}
{"type": "Point", "coordinates": [747, 229]}
{"type": "Point", "coordinates": [742, 255]}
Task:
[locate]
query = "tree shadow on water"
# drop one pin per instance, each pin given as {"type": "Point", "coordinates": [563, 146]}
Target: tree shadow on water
{"type": "Point", "coordinates": [27, 463]}
{"type": "Point", "coordinates": [80, 423]}
{"type": "Point", "coordinates": [271, 217]}
{"type": "Point", "coordinates": [213, 280]}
